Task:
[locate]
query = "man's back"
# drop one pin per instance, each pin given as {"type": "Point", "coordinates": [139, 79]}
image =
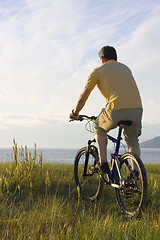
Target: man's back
{"type": "Point", "coordinates": [117, 85]}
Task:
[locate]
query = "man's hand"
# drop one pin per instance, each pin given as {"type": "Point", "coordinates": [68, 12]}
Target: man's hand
{"type": "Point", "coordinates": [73, 116]}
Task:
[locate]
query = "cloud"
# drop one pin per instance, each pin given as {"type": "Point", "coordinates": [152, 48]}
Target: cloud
{"type": "Point", "coordinates": [145, 40]}
{"type": "Point", "coordinates": [48, 48]}
{"type": "Point", "coordinates": [8, 121]}
{"type": "Point", "coordinates": [43, 44]}
{"type": "Point", "coordinates": [32, 51]}
{"type": "Point", "coordinates": [153, 102]}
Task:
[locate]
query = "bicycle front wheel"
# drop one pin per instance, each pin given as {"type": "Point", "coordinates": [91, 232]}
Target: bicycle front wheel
{"type": "Point", "coordinates": [133, 193]}
{"type": "Point", "coordinates": [89, 185]}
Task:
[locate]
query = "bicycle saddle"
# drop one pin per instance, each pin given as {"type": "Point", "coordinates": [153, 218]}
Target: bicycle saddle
{"type": "Point", "coordinates": [127, 123]}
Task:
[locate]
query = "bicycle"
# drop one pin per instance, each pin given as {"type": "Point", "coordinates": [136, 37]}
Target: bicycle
{"type": "Point", "coordinates": [130, 188]}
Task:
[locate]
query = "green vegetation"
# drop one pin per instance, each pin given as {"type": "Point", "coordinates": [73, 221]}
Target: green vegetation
{"type": "Point", "coordinates": [40, 201]}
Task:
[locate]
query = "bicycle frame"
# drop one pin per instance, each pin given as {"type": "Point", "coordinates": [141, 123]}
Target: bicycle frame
{"type": "Point", "coordinates": [114, 156]}
{"type": "Point", "coordinates": [114, 160]}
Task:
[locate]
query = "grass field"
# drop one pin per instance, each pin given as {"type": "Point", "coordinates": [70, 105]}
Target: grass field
{"type": "Point", "coordinates": [41, 202]}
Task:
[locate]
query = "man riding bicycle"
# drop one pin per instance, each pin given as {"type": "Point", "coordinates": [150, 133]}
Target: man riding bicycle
{"type": "Point", "coordinates": [117, 85]}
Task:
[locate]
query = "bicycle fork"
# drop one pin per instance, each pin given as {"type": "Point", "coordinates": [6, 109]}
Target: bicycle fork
{"type": "Point", "coordinates": [87, 158]}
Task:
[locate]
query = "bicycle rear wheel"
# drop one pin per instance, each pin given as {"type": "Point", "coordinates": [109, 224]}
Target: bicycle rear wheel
{"type": "Point", "coordinates": [89, 184]}
{"type": "Point", "coordinates": [133, 194]}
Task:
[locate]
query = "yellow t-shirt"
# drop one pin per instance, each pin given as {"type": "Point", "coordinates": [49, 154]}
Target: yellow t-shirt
{"type": "Point", "coordinates": [116, 83]}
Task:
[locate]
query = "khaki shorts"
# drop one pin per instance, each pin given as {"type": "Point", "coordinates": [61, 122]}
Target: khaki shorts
{"type": "Point", "coordinates": [108, 120]}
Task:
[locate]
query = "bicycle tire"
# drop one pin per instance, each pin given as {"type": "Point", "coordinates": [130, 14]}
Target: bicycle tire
{"type": "Point", "coordinates": [132, 196]}
{"type": "Point", "coordinates": [91, 185]}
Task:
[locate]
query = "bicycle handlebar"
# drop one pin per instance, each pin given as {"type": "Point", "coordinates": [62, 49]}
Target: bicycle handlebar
{"type": "Point", "coordinates": [84, 117]}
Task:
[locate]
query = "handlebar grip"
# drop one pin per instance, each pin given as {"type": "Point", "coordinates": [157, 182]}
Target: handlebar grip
{"type": "Point", "coordinates": [83, 117]}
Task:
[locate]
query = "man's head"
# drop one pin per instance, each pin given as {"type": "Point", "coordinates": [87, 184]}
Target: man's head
{"type": "Point", "coordinates": [108, 53]}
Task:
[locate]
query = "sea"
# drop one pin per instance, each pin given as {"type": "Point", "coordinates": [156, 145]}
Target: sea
{"type": "Point", "coordinates": [55, 155]}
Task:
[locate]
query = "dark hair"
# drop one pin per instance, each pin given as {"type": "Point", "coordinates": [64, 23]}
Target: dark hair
{"type": "Point", "coordinates": [108, 53]}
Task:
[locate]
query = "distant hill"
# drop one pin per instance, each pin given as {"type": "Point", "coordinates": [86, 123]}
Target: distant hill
{"type": "Point", "coordinates": [152, 143]}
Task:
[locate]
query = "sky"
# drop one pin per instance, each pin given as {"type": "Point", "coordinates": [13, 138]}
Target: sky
{"type": "Point", "coordinates": [48, 49]}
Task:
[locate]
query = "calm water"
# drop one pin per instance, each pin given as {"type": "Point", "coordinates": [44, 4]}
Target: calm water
{"type": "Point", "coordinates": [148, 155]}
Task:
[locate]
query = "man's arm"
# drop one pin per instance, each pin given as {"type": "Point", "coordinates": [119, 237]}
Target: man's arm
{"type": "Point", "coordinates": [81, 101]}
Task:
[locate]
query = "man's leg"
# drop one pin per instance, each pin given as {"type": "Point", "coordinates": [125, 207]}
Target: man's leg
{"type": "Point", "coordinates": [102, 126]}
{"type": "Point", "coordinates": [135, 149]}
{"type": "Point", "coordinates": [101, 140]}
{"type": "Point", "coordinates": [133, 132]}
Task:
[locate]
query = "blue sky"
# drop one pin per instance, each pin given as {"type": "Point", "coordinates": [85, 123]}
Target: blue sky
{"type": "Point", "coordinates": [48, 49]}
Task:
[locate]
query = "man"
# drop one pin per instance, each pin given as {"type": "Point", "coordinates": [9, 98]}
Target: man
{"type": "Point", "coordinates": [117, 85]}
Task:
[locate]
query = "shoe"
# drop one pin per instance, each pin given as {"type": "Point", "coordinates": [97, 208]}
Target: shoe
{"type": "Point", "coordinates": [100, 168]}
